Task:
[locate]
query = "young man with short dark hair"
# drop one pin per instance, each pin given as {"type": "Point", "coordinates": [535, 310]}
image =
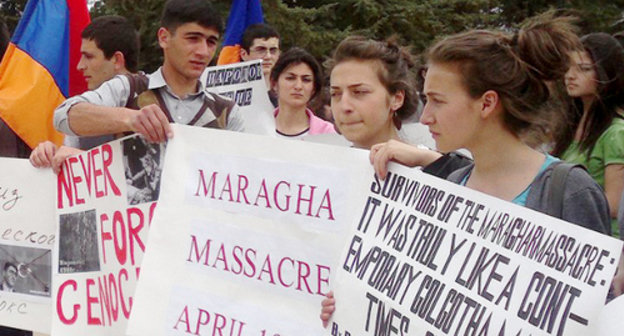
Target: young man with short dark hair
{"type": "Point", "coordinates": [109, 47]}
{"type": "Point", "coordinates": [189, 36]}
{"type": "Point", "coordinates": [261, 41]}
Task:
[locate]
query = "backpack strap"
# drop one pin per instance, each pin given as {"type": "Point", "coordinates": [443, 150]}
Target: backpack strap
{"type": "Point", "coordinates": [220, 107]}
{"type": "Point", "coordinates": [140, 95]}
{"type": "Point", "coordinates": [557, 186]}
{"type": "Point", "coordinates": [138, 84]}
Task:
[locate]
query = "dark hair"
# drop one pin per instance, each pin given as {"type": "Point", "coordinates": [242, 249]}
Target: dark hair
{"type": "Point", "coordinates": [619, 36]}
{"type": "Point", "coordinates": [394, 71]}
{"type": "Point", "coordinates": [112, 33]}
{"type": "Point", "coordinates": [9, 264]}
{"type": "Point", "coordinates": [257, 31]}
{"type": "Point", "coordinates": [296, 56]}
{"type": "Point", "coordinates": [5, 37]}
{"type": "Point", "coordinates": [608, 58]}
{"type": "Point", "coordinates": [516, 66]}
{"type": "Point", "coordinates": [179, 12]}
{"type": "Point", "coordinates": [318, 104]}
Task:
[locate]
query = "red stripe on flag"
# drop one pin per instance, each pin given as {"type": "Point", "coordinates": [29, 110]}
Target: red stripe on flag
{"type": "Point", "coordinates": [78, 20]}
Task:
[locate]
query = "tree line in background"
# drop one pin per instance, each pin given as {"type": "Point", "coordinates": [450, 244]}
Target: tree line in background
{"type": "Point", "coordinates": [318, 25]}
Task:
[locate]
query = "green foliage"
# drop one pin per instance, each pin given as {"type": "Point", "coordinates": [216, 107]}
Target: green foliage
{"type": "Point", "coordinates": [11, 12]}
{"type": "Point", "coordinates": [318, 25]}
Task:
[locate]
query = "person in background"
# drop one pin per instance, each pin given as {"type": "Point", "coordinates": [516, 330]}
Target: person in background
{"type": "Point", "coordinates": [372, 90]}
{"type": "Point", "coordinates": [110, 46]}
{"type": "Point", "coordinates": [262, 42]}
{"type": "Point", "coordinates": [297, 78]}
{"type": "Point", "coordinates": [595, 135]}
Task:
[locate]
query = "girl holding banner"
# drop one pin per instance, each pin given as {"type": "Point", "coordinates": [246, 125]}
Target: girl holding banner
{"type": "Point", "coordinates": [372, 90]}
{"type": "Point", "coordinates": [485, 90]}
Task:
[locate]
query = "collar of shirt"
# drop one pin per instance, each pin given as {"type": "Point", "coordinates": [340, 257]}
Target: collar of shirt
{"type": "Point", "coordinates": [157, 81]}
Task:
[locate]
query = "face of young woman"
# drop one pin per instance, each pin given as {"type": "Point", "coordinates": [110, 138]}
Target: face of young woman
{"type": "Point", "coordinates": [450, 113]}
{"type": "Point", "coordinates": [361, 104]}
{"type": "Point", "coordinates": [295, 85]}
{"type": "Point", "coordinates": [581, 78]}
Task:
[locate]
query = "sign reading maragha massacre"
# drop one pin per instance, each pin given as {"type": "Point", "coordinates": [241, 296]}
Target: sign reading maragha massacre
{"type": "Point", "coordinates": [27, 238]}
{"type": "Point", "coordinates": [246, 234]}
{"type": "Point", "coordinates": [105, 201]}
{"type": "Point", "coordinates": [428, 257]}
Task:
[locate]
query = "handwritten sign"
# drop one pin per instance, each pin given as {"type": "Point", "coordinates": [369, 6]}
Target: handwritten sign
{"type": "Point", "coordinates": [242, 226]}
{"type": "Point", "coordinates": [105, 201]}
{"type": "Point", "coordinates": [428, 257]}
{"type": "Point", "coordinates": [27, 238]}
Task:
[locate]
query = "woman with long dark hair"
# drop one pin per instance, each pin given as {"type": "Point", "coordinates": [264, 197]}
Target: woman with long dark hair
{"type": "Point", "coordinates": [595, 136]}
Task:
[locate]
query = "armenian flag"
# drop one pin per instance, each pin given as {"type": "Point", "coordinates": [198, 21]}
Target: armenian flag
{"type": "Point", "coordinates": [38, 70]}
{"type": "Point", "coordinates": [243, 14]}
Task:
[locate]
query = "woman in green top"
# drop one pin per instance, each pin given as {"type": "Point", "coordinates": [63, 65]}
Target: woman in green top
{"type": "Point", "coordinates": [595, 136]}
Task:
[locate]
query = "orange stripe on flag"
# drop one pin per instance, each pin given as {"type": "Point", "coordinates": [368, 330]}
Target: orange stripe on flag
{"type": "Point", "coordinates": [229, 55]}
{"type": "Point", "coordinates": [29, 96]}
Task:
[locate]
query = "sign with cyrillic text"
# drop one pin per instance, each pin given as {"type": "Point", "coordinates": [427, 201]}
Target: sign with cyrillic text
{"type": "Point", "coordinates": [27, 238]}
{"type": "Point", "coordinates": [244, 83]}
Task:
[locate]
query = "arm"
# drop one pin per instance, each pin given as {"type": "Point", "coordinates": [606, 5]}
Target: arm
{"type": "Point", "coordinates": [402, 153]}
{"type": "Point", "coordinates": [90, 119]}
{"type": "Point", "coordinates": [614, 184]}
{"type": "Point", "coordinates": [103, 111]}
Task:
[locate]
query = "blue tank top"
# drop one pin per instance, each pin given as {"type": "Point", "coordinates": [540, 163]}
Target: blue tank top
{"type": "Point", "coordinates": [522, 197]}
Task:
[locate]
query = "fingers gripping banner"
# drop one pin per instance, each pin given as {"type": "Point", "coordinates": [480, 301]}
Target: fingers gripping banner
{"type": "Point", "coordinates": [105, 201]}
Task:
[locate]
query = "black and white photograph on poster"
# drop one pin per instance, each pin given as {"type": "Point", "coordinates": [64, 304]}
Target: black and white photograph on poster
{"type": "Point", "coordinates": [78, 247]}
{"type": "Point", "coordinates": [25, 270]}
{"type": "Point", "coordinates": [143, 166]}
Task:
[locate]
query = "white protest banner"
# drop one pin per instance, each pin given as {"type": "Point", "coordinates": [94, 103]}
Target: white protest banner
{"type": "Point", "coordinates": [611, 321]}
{"type": "Point", "coordinates": [105, 201]}
{"type": "Point", "coordinates": [245, 235]}
{"type": "Point", "coordinates": [27, 237]}
{"type": "Point", "coordinates": [244, 83]}
{"type": "Point", "coordinates": [428, 257]}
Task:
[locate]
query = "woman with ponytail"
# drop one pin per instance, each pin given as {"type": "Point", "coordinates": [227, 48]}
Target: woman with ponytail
{"type": "Point", "coordinates": [486, 92]}
{"type": "Point", "coordinates": [373, 90]}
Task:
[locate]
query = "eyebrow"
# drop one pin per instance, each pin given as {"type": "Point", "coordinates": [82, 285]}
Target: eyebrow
{"type": "Point", "coordinates": [200, 34]}
{"type": "Point", "coordinates": [290, 73]}
{"type": "Point", "coordinates": [433, 94]}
